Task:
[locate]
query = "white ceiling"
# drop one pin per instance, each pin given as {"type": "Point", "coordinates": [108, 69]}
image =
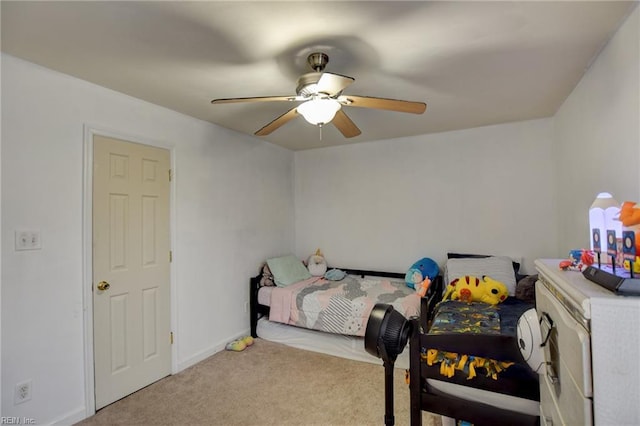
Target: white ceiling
{"type": "Point", "coordinates": [474, 63]}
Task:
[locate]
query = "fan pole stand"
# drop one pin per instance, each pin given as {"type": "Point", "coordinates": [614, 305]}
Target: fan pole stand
{"type": "Point", "coordinates": [389, 419]}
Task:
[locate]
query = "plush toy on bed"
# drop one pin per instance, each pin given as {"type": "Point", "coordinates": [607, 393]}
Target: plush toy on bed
{"type": "Point", "coordinates": [472, 289]}
{"type": "Point", "coordinates": [316, 264]}
{"type": "Point", "coordinates": [419, 271]}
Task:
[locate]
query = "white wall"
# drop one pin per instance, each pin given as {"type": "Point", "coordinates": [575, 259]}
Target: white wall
{"type": "Point", "coordinates": [384, 205]}
{"type": "Point", "coordinates": [1, 233]}
{"type": "Point", "coordinates": [597, 135]}
{"type": "Point", "coordinates": [380, 205]}
{"type": "Point", "coordinates": [233, 208]}
{"type": "Point", "coordinates": [520, 189]}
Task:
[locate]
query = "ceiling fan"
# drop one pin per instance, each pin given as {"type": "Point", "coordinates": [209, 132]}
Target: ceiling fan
{"type": "Point", "coordinates": [322, 100]}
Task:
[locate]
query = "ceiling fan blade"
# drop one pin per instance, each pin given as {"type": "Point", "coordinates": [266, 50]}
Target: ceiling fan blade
{"type": "Point", "coordinates": [280, 121]}
{"type": "Point", "coordinates": [382, 103]}
{"type": "Point", "coordinates": [257, 99]}
{"type": "Point", "coordinates": [345, 125]}
{"type": "Point", "coordinates": [333, 84]}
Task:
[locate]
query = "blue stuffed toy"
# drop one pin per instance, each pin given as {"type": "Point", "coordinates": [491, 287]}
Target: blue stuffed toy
{"type": "Point", "coordinates": [420, 270]}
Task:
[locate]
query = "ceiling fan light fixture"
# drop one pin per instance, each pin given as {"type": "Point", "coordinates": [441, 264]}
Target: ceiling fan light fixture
{"type": "Point", "coordinates": [319, 111]}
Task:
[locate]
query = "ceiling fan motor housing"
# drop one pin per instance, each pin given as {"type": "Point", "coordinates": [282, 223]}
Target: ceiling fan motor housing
{"type": "Point", "coordinates": [308, 84]}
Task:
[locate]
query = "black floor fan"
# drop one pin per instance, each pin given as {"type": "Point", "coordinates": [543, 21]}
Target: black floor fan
{"type": "Point", "coordinates": [385, 338]}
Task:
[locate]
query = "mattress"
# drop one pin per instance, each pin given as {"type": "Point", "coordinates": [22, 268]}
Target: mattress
{"type": "Point", "coordinates": [264, 296]}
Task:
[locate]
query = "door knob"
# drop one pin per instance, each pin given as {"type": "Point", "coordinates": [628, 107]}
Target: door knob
{"type": "Point", "coordinates": [103, 285]}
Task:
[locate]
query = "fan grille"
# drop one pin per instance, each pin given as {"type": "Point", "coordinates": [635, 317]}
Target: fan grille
{"type": "Point", "coordinates": [396, 334]}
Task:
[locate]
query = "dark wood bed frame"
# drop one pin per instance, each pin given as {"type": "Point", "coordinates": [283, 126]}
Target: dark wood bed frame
{"type": "Point", "coordinates": [427, 303]}
{"type": "Point", "coordinates": [426, 398]}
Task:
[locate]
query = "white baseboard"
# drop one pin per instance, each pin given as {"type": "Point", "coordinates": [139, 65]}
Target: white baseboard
{"type": "Point", "coordinates": [206, 353]}
{"type": "Point", "coordinates": [71, 417]}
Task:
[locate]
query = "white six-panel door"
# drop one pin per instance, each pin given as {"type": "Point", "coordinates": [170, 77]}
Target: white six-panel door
{"type": "Point", "coordinates": [131, 294]}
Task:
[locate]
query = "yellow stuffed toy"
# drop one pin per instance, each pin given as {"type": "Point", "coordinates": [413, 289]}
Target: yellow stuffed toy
{"type": "Point", "coordinates": [472, 289]}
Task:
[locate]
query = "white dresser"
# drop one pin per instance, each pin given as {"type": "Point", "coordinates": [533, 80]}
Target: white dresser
{"type": "Point", "coordinates": [592, 352]}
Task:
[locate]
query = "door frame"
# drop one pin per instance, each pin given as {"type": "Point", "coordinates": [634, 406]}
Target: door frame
{"type": "Point", "coordinates": [90, 131]}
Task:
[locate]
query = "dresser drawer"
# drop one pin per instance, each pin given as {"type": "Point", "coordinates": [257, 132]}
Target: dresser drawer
{"type": "Point", "coordinates": [561, 403]}
{"type": "Point", "coordinates": [549, 411]}
{"type": "Point", "coordinates": [568, 349]}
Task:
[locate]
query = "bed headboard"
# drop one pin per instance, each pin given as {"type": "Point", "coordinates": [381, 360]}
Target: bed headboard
{"type": "Point", "coordinates": [363, 273]}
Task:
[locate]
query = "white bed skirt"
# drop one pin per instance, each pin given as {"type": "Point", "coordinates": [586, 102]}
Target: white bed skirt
{"type": "Point", "coordinates": [349, 347]}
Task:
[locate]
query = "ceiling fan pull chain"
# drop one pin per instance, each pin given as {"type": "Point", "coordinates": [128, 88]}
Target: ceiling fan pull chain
{"type": "Point", "coordinates": [320, 126]}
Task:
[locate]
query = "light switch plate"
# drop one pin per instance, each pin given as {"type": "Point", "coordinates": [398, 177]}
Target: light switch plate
{"type": "Point", "coordinates": [28, 240]}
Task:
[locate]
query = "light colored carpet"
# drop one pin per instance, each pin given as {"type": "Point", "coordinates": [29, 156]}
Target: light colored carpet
{"type": "Point", "coordinates": [266, 384]}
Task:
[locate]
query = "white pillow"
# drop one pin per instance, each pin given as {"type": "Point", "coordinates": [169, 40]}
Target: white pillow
{"type": "Point", "coordinates": [499, 268]}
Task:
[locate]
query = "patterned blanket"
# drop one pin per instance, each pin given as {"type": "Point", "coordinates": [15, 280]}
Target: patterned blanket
{"type": "Point", "coordinates": [340, 307]}
{"type": "Point", "coordinates": [476, 318]}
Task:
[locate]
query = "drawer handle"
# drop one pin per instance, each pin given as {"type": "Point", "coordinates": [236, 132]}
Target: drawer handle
{"type": "Point", "coordinates": [551, 375]}
{"type": "Point", "coordinates": [546, 319]}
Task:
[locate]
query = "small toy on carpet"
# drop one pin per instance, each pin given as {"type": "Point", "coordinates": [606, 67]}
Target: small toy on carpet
{"type": "Point", "coordinates": [239, 344]}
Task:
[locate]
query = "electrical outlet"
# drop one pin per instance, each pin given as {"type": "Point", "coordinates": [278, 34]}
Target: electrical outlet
{"type": "Point", "coordinates": [23, 392]}
{"type": "Point", "coordinates": [28, 240]}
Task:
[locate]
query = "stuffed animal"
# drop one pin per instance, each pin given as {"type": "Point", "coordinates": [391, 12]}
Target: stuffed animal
{"type": "Point", "coordinates": [423, 268]}
{"type": "Point", "coordinates": [472, 289]}
{"type": "Point", "coordinates": [335, 274]}
{"type": "Point", "coordinates": [316, 264]}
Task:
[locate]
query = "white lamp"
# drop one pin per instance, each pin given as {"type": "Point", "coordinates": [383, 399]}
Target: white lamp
{"type": "Point", "coordinates": [603, 215]}
{"type": "Point", "coordinates": [319, 111]}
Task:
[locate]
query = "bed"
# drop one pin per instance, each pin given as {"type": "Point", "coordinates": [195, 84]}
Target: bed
{"type": "Point", "coordinates": [443, 380]}
{"type": "Point", "coordinates": [329, 316]}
